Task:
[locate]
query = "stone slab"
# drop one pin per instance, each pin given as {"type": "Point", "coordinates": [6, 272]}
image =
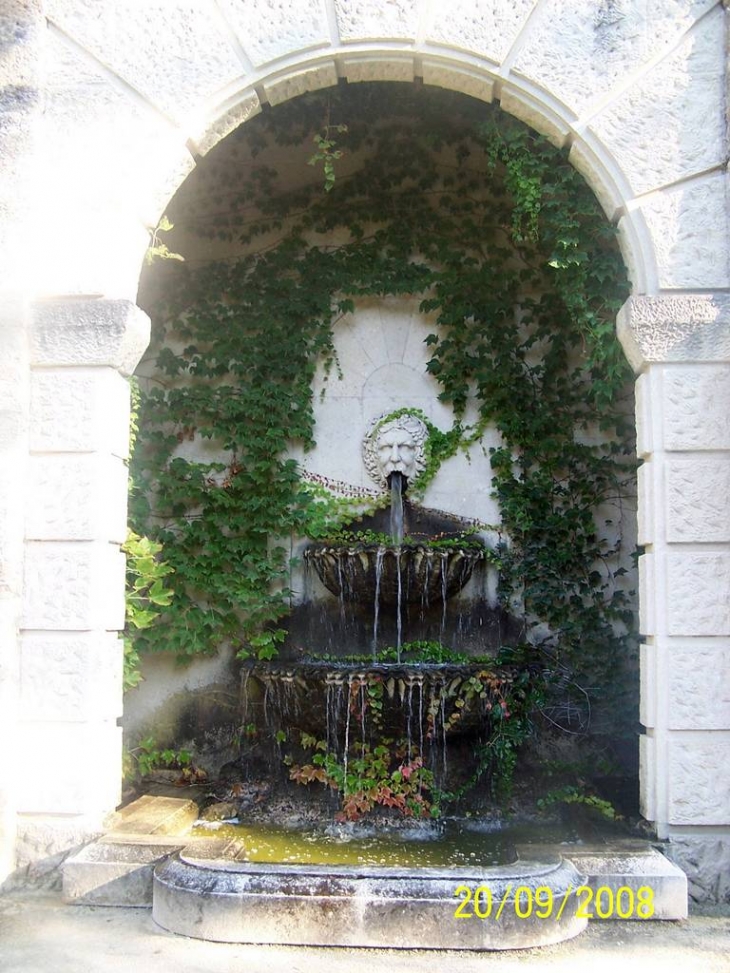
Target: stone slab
{"type": "Point", "coordinates": [105, 873]}
{"type": "Point", "coordinates": [74, 769]}
{"type": "Point", "coordinates": [89, 332]}
{"type": "Point", "coordinates": [72, 677]}
{"type": "Point", "coordinates": [706, 860]}
{"type": "Point", "coordinates": [694, 402]}
{"type": "Point", "coordinates": [617, 868]}
{"type": "Point", "coordinates": [699, 786]}
{"type": "Point", "coordinates": [680, 328]}
{"type": "Point", "coordinates": [154, 816]}
{"type": "Point", "coordinates": [79, 410]}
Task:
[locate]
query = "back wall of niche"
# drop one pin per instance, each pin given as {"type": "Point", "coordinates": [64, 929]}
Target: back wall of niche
{"type": "Point", "coordinates": [332, 249]}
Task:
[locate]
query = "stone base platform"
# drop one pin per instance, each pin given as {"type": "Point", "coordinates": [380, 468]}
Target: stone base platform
{"type": "Point", "coordinates": [204, 888]}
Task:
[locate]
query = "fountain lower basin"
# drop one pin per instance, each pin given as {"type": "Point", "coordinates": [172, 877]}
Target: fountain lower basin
{"type": "Point", "coordinates": [211, 880]}
{"type": "Point", "coordinates": [224, 899]}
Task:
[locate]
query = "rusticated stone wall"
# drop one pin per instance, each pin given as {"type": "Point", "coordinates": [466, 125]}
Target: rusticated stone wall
{"type": "Point", "coordinates": [133, 94]}
{"type": "Point", "coordinates": [20, 29]}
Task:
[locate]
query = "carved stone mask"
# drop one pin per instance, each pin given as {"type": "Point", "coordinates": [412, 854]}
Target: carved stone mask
{"type": "Point", "coordinates": [397, 445]}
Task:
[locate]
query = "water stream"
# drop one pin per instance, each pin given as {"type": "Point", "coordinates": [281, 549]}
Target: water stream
{"type": "Point", "coordinates": [396, 507]}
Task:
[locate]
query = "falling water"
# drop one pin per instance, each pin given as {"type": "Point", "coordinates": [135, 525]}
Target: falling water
{"type": "Point", "coordinates": [409, 717]}
{"type": "Point", "coordinates": [399, 620]}
{"type": "Point", "coordinates": [396, 507]}
{"type": "Point", "coordinates": [444, 589]}
{"type": "Point", "coordinates": [348, 704]}
{"type": "Point", "coordinates": [363, 710]}
{"type": "Point", "coordinates": [376, 614]}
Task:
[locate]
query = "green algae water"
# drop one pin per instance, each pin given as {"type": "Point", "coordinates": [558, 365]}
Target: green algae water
{"type": "Point", "coordinates": [452, 844]}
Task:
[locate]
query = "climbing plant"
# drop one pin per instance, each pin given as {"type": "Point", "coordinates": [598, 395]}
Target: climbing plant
{"type": "Point", "coordinates": [426, 193]}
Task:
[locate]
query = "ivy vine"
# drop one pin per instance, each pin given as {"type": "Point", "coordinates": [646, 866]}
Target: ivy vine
{"type": "Point", "coordinates": [435, 195]}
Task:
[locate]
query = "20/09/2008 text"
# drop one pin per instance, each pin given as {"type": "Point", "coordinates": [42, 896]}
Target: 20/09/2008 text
{"type": "Point", "coordinates": [542, 903]}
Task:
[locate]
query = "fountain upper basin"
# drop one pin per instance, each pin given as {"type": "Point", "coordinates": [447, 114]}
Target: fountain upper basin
{"type": "Point", "coordinates": [393, 575]}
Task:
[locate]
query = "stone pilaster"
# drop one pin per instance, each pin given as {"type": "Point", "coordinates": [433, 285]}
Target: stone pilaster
{"type": "Point", "coordinates": [21, 32]}
{"type": "Point", "coordinates": [681, 346]}
{"type": "Point", "coordinates": [70, 665]}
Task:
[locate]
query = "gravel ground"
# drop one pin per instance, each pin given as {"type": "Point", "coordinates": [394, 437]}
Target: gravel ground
{"type": "Point", "coordinates": [39, 934]}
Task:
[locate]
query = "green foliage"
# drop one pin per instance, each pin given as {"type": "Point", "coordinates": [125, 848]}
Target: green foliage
{"type": "Point", "coordinates": [485, 219]}
{"type": "Point", "coordinates": [147, 757]}
{"type": "Point", "coordinates": [146, 596]}
{"type": "Point", "coordinates": [384, 775]}
{"type": "Point", "coordinates": [158, 250]}
{"type": "Point", "coordinates": [493, 701]}
{"type": "Point", "coordinates": [370, 538]}
{"type": "Point", "coordinates": [327, 154]}
{"type": "Point", "coordinates": [573, 794]}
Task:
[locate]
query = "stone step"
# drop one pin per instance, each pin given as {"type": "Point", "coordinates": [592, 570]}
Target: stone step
{"type": "Point", "coordinates": [114, 873]}
{"type": "Point", "coordinates": [117, 869]}
{"type": "Point", "coordinates": [627, 864]}
{"type": "Point", "coordinates": [154, 816]}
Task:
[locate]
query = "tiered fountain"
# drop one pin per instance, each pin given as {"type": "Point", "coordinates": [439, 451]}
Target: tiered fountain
{"type": "Point", "coordinates": [380, 732]}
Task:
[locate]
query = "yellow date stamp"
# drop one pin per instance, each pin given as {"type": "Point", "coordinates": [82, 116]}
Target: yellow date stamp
{"type": "Point", "coordinates": [542, 903]}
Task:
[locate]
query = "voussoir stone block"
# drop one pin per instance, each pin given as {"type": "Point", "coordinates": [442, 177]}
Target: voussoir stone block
{"type": "Point", "coordinates": [78, 410]}
{"type": "Point", "coordinates": [99, 332]}
{"type": "Point", "coordinates": [300, 82]}
{"type": "Point", "coordinates": [699, 793]}
{"type": "Point", "coordinates": [647, 128]}
{"type": "Point", "coordinates": [580, 50]}
{"type": "Point", "coordinates": [683, 328]}
{"type": "Point", "coordinates": [269, 29]}
{"type": "Point", "coordinates": [246, 106]}
{"type": "Point", "coordinates": [698, 499]}
{"type": "Point", "coordinates": [70, 678]}
{"type": "Point", "coordinates": [689, 227]}
{"type": "Point", "coordinates": [101, 143]}
{"type": "Point", "coordinates": [76, 498]}
{"type": "Point", "coordinates": [698, 593]}
{"type": "Point", "coordinates": [73, 586]}
{"type": "Point", "coordinates": [378, 69]}
{"type": "Point", "coordinates": [194, 61]}
{"type": "Point", "coordinates": [372, 19]}
{"type": "Point", "coordinates": [695, 404]}
{"type": "Point", "coordinates": [536, 114]}
{"type": "Point", "coordinates": [442, 76]}
{"type": "Point", "coordinates": [699, 686]}
{"type": "Point", "coordinates": [488, 28]}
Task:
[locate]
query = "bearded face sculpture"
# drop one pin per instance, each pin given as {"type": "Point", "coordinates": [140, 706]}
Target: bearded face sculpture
{"type": "Point", "coordinates": [395, 446]}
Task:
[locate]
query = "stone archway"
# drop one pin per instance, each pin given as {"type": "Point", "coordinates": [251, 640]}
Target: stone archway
{"type": "Point", "coordinates": [123, 123]}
